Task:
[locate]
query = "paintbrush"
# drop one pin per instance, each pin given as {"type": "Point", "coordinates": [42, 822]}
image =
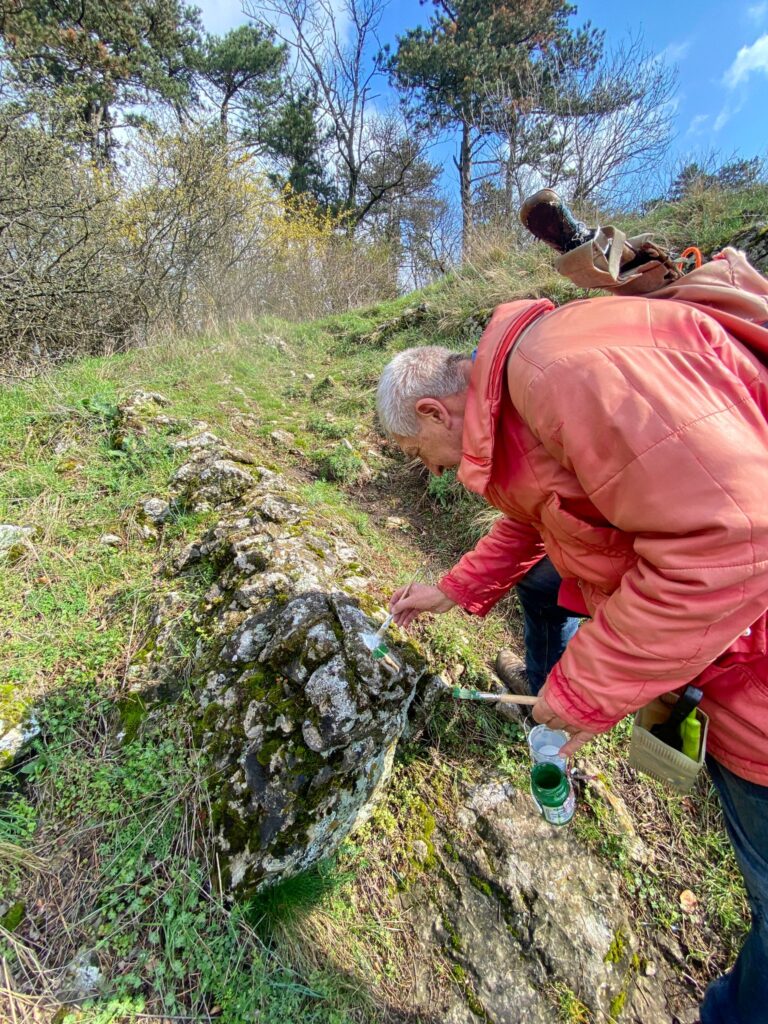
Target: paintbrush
{"type": "Point", "coordinates": [375, 641]}
{"type": "Point", "coordinates": [496, 698]}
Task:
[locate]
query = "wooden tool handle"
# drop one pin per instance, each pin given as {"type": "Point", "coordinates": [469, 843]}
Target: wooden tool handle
{"type": "Point", "coordinates": [516, 698]}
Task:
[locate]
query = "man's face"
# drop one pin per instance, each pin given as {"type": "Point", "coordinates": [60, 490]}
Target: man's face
{"type": "Point", "coordinates": [438, 441]}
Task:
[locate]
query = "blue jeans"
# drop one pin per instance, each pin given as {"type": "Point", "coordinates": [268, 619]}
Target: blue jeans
{"type": "Point", "coordinates": [548, 628]}
{"type": "Point", "coordinates": [741, 995]}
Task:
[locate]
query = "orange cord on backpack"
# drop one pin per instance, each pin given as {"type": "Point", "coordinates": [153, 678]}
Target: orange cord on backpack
{"type": "Point", "coordinates": [692, 250]}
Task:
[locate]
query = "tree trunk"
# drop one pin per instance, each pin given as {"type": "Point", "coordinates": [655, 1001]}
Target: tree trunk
{"type": "Point", "coordinates": [465, 178]}
{"type": "Point", "coordinates": [509, 184]}
{"type": "Point", "coordinates": [224, 117]}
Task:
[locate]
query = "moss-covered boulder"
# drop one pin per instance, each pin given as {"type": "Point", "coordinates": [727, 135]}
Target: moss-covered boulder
{"type": "Point", "coordinates": [754, 242]}
{"type": "Point", "coordinates": [297, 722]}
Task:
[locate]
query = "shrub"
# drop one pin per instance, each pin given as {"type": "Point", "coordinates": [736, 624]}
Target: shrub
{"type": "Point", "coordinates": [342, 464]}
{"type": "Point", "coordinates": [334, 430]}
{"type": "Point", "coordinates": [190, 236]}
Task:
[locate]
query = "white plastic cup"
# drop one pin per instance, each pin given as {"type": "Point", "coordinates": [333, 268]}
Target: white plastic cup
{"type": "Point", "coordinates": [545, 743]}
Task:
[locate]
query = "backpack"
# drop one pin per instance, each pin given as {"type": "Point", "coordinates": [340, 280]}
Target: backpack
{"type": "Point", "coordinates": [732, 292]}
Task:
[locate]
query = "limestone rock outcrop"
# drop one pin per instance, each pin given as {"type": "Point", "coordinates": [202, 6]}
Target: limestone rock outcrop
{"type": "Point", "coordinates": [754, 242]}
{"type": "Point", "coordinates": [522, 915]}
{"type": "Point", "coordinates": [297, 722]}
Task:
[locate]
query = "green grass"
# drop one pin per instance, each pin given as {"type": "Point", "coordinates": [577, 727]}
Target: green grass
{"type": "Point", "coordinates": [708, 217]}
{"type": "Point", "coordinates": [132, 813]}
{"type": "Point", "coordinates": [74, 611]}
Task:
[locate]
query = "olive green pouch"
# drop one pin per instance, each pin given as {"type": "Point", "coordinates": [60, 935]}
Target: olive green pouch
{"type": "Point", "coordinates": [651, 755]}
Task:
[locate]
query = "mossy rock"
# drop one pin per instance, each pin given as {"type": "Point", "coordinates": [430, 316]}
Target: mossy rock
{"type": "Point", "coordinates": [296, 721]}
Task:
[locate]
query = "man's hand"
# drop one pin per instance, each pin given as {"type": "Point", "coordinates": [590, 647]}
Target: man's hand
{"type": "Point", "coordinates": [420, 598]}
{"type": "Point", "coordinates": [544, 714]}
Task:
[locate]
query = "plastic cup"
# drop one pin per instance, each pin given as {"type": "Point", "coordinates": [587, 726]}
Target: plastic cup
{"type": "Point", "coordinates": [545, 743]}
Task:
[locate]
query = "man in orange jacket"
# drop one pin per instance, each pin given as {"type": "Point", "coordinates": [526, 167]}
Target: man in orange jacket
{"type": "Point", "coordinates": [627, 438]}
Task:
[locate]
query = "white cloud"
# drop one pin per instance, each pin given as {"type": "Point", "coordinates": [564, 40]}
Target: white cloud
{"type": "Point", "coordinates": [676, 51]}
{"type": "Point", "coordinates": [731, 108]}
{"type": "Point", "coordinates": [757, 12]}
{"type": "Point", "coordinates": [697, 124]}
{"type": "Point", "coordinates": [748, 60]}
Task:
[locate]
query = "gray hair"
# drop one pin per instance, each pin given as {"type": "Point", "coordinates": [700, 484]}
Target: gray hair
{"type": "Point", "coordinates": [427, 372]}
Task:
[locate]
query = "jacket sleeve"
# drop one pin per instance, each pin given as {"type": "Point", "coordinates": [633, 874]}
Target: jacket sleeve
{"type": "Point", "coordinates": [669, 446]}
{"type": "Point", "coordinates": [485, 574]}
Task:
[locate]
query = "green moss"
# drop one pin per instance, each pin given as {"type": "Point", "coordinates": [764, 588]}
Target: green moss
{"type": "Point", "coordinates": [235, 828]}
{"type": "Point", "coordinates": [481, 885]}
{"type": "Point", "coordinates": [13, 917]}
{"type": "Point", "coordinates": [451, 851]}
{"type": "Point", "coordinates": [617, 1005]}
{"type": "Point", "coordinates": [461, 977]}
{"type": "Point", "coordinates": [470, 996]}
{"type": "Point", "coordinates": [453, 935]}
{"type": "Point", "coordinates": [210, 718]}
{"type": "Point", "coordinates": [617, 948]}
{"type": "Point", "coordinates": [266, 753]}
{"type": "Point", "coordinates": [132, 711]}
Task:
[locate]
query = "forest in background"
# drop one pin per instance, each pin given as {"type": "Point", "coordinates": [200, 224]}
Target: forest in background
{"type": "Point", "coordinates": [156, 178]}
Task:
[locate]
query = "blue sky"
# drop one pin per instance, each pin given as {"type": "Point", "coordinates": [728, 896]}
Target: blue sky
{"type": "Point", "coordinates": [721, 50]}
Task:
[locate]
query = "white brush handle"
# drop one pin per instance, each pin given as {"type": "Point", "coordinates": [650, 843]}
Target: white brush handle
{"type": "Point", "coordinates": [384, 626]}
{"type": "Point", "coordinates": [502, 698]}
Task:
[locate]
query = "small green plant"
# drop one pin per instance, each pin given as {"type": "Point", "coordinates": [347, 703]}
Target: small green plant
{"type": "Point", "coordinates": [445, 490]}
{"type": "Point", "coordinates": [281, 907]}
{"type": "Point", "coordinates": [342, 464]}
{"type": "Point", "coordinates": [570, 1008]}
{"type": "Point", "coordinates": [334, 430]}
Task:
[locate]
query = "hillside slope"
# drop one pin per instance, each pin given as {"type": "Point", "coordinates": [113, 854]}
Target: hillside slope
{"type": "Point", "coordinates": [110, 906]}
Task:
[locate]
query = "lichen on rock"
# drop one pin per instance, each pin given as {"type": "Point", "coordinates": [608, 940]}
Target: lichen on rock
{"type": "Point", "coordinates": [298, 723]}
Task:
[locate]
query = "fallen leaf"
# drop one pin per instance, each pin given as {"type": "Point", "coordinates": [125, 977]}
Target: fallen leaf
{"type": "Point", "coordinates": [689, 901]}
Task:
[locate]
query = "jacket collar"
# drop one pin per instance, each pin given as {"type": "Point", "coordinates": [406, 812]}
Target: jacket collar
{"type": "Point", "coordinates": [486, 388]}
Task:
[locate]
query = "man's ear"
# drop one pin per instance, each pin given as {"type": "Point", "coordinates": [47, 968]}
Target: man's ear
{"type": "Point", "coordinates": [432, 409]}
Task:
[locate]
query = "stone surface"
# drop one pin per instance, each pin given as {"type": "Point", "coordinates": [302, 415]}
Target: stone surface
{"type": "Point", "coordinates": [298, 725]}
{"type": "Point", "coordinates": [156, 510]}
{"type": "Point", "coordinates": [14, 738]}
{"type": "Point", "coordinates": [282, 438]}
{"type": "Point", "coordinates": [139, 412]}
{"type": "Point", "coordinates": [296, 720]}
{"type": "Point", "coordinates": [14, 541]}
{"type": "Point", "coordinates": [208, 482]}
{"type": "Point", "coordinates": [754, 242]}
{"type": "Point", "coordinates": [111, 540]}
{"type": "Point", "coordinates": [522, 910]}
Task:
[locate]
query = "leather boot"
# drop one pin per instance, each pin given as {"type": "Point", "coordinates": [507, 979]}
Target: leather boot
{"type": "Point", "coordinates": [547, 217]}
{"type": "Point", "coordinates": [511, 671]}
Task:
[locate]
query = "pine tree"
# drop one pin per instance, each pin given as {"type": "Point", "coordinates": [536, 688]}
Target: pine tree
{"type": "Point", "coordinates": [294, 138]}
{"type": "Point", "coordinates": [244, 68]}
{"type": "Point", "coordinates": [468, 45]}
{"type": "Point", "coordinates": [90, 58]}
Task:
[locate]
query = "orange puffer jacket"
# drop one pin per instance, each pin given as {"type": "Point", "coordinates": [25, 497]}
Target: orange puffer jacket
{"type": "Point", "coordinates": [628, 436]}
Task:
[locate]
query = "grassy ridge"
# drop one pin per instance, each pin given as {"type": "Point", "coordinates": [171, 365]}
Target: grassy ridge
{"type": "Point", "coordinates": [128, 815]}
{"type": "Point", "coordinates": [118, 828]}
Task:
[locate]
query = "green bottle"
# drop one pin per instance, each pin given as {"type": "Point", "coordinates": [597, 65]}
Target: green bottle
{"type": "Point", "coordinates": [690, 734]}
{"type": "Point", "coordinates": [551, 790]}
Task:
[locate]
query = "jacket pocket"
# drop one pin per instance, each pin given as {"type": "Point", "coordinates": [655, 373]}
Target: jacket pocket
{"type": "Point", "coordinates": [736, 700]}
{"type": "Point", "coordinates": [598, 554]}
